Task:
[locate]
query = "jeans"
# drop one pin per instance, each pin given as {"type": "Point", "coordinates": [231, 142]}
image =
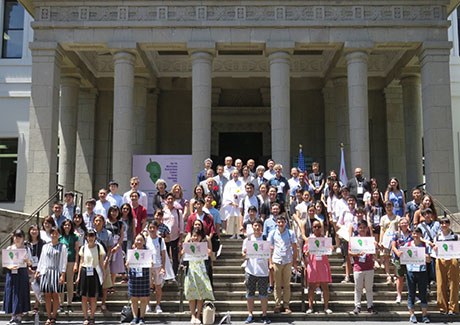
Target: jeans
{"type": "Point", "coordinates": [431, 270]}
{"type": "Point", "coordinates": [174, 246]}
{"type": "Point", "coordinates": [415, 279]}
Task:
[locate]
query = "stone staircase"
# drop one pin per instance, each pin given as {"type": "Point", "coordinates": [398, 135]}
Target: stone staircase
{"type": "Point", "coordinates": [229, 291]}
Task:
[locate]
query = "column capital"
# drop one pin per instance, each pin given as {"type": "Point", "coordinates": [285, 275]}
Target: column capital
{"type": "Point", "coordinates": [46, 49]}
{"type": "Point", "coordinates": [357, 56]}
{"type": "Point", "coordinates": [408, 80]}
{"type": "Point", "coordinates": [434, 51]}
{"type": "Point", "coordinates": [201, 55]}
{"type": "Point", "coordinates": [279, 57]}
{"type": "Point", "coordinates": [201, 46]}
{"type": "Point", "coordinates": [70, 81]}
{"type": "Point", "coordinates": [124, 55]}
{"type": "Point", "coordinates": [353, 46]}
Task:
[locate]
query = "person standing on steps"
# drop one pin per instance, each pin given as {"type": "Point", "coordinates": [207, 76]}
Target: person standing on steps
{"type": "Point", "coordinates": [256, 275]}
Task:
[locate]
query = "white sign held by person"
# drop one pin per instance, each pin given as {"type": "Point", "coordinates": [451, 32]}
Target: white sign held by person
{"type": "Point", "coordinates": [195, 251]}
{"type": "Point", "coordinates": [174, 169]}
{"type": "Point", "coordinates": [448, 249]}
{"type": "Point", "coordinates": [257, 249]}
{"type": "Point", "coordinates": [139, 258]}
{"type": "Point", "coordinates": [320, 246]}
{"type": "Point", "coordinates": [412, 255]}
{"type": "Point", "coordinates": [362, 244]}
{"type": "Point", "coordinates": [13, 257]}
{"type": "Point", "coordinates": [344, 233]}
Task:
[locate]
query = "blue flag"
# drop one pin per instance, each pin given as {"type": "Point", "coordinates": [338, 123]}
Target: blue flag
{"type": "Point", "coordinates": [301, 161]}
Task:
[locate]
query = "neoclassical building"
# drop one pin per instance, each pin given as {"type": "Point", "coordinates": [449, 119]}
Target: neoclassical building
{"type": "Point", "coordinates": [249, 78]}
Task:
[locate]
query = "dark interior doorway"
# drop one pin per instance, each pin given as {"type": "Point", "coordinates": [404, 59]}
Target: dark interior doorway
{"type": "Point", "coordinates": [243, 145]}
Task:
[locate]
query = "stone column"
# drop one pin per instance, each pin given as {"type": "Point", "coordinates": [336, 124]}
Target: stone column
{"type": "Point", "coordinates": [358, 110]}
{"type": "Point", "coordinates": [342, 121]}
{"type": "Point", "coordinates": [122, 148]}
{"type": "Point", "coordinates": [43, 124]}
{"type": "Point", "coordinates": [140, 115]}
{"type": "Point", "coordinates": [84, 160]}
{"type": "Point", "coordinates": [70, 87]}
{"type": "Point", "coordinates": [412, 102]}
{"type": "Point", "coordinates": [201, 109]}
{"type": "Point", "coordinates": [152, 121]}
{"type": "Point", "coordinates": [280, 108]}
{"type": "Point", "coordinates": [331, 148]}
{"type": "Point", "coordinates": [437, 123]}
{"type": "Point", "coordinates": [395, 134]}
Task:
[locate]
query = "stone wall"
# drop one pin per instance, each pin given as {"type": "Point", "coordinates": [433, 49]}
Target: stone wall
{"type": "Point", "coordinates": [9, 220]}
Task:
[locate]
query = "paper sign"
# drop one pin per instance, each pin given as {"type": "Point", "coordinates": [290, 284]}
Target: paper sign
{"type": "Point", "coordinates": [13, 257]}
{"type": "Point", "coordinates": [195, 251]}
{"type": "Point", "coordinates": [387, 238]}
{"type": "Point", "coordinates": [344, 233]}
{"type": "Point", "coordinates": [139, 258]}
{"type": "Point", "coordinates": [412, 255]}
{"type": "Point", "coordinates": [448, 249]}
{"type": "Point", "coordinates": [320, 246]}
{"type": "Point", "coordinates": [257, 249]}
{"type": "Point", "coordinates": [362, 244]}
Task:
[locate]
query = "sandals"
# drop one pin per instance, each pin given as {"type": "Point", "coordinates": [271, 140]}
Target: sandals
{"type": "Point", "coordinates": [103, 310]}
{"type": "Point", "coordinates": [48, 321]}
{"type": "Point", "coordinates": [91, 321]}
{"type": "Point", "coordinates": [53, 321]}
{"type": "Point", "coordinates": [86, 322]}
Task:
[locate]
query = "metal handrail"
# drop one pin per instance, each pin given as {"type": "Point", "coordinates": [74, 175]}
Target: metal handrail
{"type": "Point", "coordinates": [36, 214]}
{"type": "Point", "coordinates": [444, 209]}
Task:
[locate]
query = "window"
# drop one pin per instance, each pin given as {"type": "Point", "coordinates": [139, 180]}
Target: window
{"type": "Point", "coordinates": [13, 30]}
{"type": "Point", "coordinates": [8, 163]}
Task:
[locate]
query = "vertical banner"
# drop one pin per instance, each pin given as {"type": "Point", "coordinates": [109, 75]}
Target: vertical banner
{"type": "Point", "coordinates": [172, 168]}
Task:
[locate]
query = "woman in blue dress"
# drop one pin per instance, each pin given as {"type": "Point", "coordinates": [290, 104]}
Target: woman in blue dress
{"type": "Point", "coordinates": [396, 195]}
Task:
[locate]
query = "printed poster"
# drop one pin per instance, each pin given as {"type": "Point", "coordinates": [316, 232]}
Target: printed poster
{"type": "Point", "coordinates": [412, 255]}
{"type": "Point", "coordinates": [13, 257]}
{"type": "Point", "coordinates": [448, 249]}
{"type": "Point", "coordinates": [257, 249]}
{"type": "Point", "coordinates": [320, 246]}
{"type": "Point", "coordinates": [138, 258]}
{"type": "Point", "coordinates": [195, 251]}
{"type": "Point", "coordinates": [362, 244]}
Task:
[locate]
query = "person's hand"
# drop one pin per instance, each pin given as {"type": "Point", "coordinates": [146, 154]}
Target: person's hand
{"type": "Point", "coordinates": [36, 275]}
{"type": "Point", "coordinates": [162, 270]}
{"type": "Point", "coordinates": [75, 268]}
{"type": "Point", "coordinates": [270, 266]}
{"type": "Point", "coordinates": [106, 262]}
{"type": "Point", "coordinates": [115, 249]}
{"type": "Point", "coordinates": [77, 280]}
{"type": "Point", "coordinates": [61, 279]}
{"type": "Point", "coordinates": [241, 229]}
{"type": "Point", "coordinates": [398, 253]}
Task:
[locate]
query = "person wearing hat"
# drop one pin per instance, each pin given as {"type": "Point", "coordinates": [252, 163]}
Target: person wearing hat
{"type": "Point", "coordinates": [69, 209]}
{"type": "Point", "coordinates": [430, 228]}
{"type": "Point", "coordinates": [202, 174]}
{"type": "Point", "coordinates": [113, 197]}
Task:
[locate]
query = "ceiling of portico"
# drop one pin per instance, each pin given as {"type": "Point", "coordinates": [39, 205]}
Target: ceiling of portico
{"type": "Point", "coordinates": [306, 61]}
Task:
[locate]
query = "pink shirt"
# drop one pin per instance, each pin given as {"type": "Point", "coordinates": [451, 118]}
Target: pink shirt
{"type": "Point", "coordinates": [173, 219]}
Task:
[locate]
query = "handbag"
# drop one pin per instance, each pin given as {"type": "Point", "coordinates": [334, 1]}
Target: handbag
{"type": "Point", "coordinates": [126, 314]}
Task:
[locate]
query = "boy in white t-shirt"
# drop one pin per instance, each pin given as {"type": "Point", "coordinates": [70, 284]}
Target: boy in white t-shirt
{"type": "Point", "coordinates": [157, 245]}
{"type": "Point", "coordinates": [256, 274]}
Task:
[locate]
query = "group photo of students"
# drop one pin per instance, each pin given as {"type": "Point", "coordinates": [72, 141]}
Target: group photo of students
{"type": "Point", "coordinates": [287, 225]}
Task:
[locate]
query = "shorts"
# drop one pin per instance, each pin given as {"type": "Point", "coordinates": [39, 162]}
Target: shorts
{"type": "Point", "coordinates": [107, 279]}
{"type": "Point", "coordinates": [385, 252]}
{"type": "Point", "coordinates": [344, 247]}
{"type": "Point", "coordinates": [401, 270]}
{"type": "Point", "coordinates": [156, 276]}
{"type": "Point", "coordinates": [260, 281]}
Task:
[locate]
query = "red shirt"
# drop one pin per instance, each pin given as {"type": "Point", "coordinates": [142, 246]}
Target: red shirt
{"type": "Point", "coordinates": [140, 214]}
{"type": "Point", "coordinates": [208, 223]}
{"type": "Point", "coordinates": [359, 265]}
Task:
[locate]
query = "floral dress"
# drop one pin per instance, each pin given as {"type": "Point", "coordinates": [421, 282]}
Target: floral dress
{"type": "Point", "coordinates": [197, 285]}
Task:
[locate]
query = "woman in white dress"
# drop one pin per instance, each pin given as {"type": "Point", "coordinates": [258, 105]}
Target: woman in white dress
{"type": "Point", "coordinates": [229, 211]}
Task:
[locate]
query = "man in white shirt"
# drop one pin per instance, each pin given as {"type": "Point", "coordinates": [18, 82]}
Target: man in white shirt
{"type": "Point", "coordinates": [220, 179]}
{"type": "Point", "coordinates": [88, 216]}
{"type": "Point", "coordinates": [143, 199]}
{"type": "Point", "coordinates": [270, 172]}
{"type": "Point", "coordinates": [102, 205]}
{"type": "Point", "coordinates": [228, 168]}
{"type": "Point", "coordinates": [69, 209]}
{"type": "Point", "coordinates": [113, 197]}
{"type": "Point", "coordinates": [249, 200]}
{"type": "Point", "coordinates": [294, 180]}
{"type": "Point", "coordinates": [256, 274]}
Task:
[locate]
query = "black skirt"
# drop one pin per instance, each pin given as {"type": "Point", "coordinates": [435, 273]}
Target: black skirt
{"type": "Point", "coordinates": [89, 286]}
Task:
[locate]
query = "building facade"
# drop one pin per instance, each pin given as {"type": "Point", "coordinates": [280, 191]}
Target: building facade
{"type": "Point", "coordinates": [249, 79]}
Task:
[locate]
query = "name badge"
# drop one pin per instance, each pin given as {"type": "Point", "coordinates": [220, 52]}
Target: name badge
{"type": "Point", "coordinates": [319, 258]}
{"type": "Point", "coordinates": [317, 184]}
{"type": "Point", "coordinates": [376, 219]}
{"type": "Point", "coordinates": [362, 259]}
{"type": "Point", "coordinates": [14, 271]}
{"type": "Point", "coordinates": [34, 261]}
{"type": "Point", "coordinates": [360, 189]}
{"type": "Point", "coordinates": [138, 272]}
{"type": "Point", "coordinates": [90, 271]}
{"type": "Point", "coordinates": [283, 252]}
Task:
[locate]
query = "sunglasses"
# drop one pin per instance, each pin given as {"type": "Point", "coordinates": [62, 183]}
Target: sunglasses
{"type": "Point", "coordinates": [134, 183]}
{"type": "Point", "coordinates": [316, 227]}
{"type": "Point", "coordinates": [125, 209]}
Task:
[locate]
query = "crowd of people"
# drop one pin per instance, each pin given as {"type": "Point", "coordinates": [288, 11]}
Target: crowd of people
{"type": "Point", "coordinates": [85, 253]}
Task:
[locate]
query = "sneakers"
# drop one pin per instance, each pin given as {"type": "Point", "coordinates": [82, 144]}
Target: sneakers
{"type": "Point", "coordinates": [134, 321]}
{"type": "Point", "coordinates": [60, 310]}
{"type": "Point", "coordinates": [158, 309]}
{"type": "Point", "coordinates": [305, 291]}
{"type": "Point", "coordinates": [309, 311]}
{"type": "Point", "coordinates": [148, 309]}
{"type": "Point", "coordinates": [371, 310]}
{"type": "Point", "coordinates": [398, 300]}
{"type": "Point", "coordinates": [433, 283]}
{"type": "Point", "coordinates": [346, 280]}
{"type": "Point", "coordinates": [338, 250]}
{"type": "Point", "coordinates": [265, 320]}
{"type": "Point", "coordinates": [69, 309]}
{"type": "Point", "coordinates": [413, 319]}
{"type": "Point", "coordinates": [234, 237]}
{"type": "Point", "coordinates": [287, 311]}
{"type": "Point", "coordinates": [328, 311]}
{"type": "Point", "coordinates": [451, 313]}
{"type": "Point", "coordinates": [417, 300]}
{"type": "Point", "coordinates": [356, 311]}
{"type": "Point", "coordinates": [318, 291]}
{"type": "Point", "coordinates": [425, 319]}
{"type": "Point", "coordinates": [249, 320]}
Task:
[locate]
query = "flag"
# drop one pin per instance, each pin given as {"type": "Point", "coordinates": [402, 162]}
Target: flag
{"type": "Point", "coordinates": [301, 160]}
{"type": "Point", "coordinates": [343, 172]}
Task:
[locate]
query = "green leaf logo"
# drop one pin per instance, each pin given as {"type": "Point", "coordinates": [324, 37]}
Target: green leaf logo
{"type": "Point", "coordinates": [192, 248]}
{"type": "Point", "coordinates": [11, 255]}
{"type": "Point", "coordinates": [360, 242]}
{"type": "Point", "coordinates": [136, 255]}
{"type": "Point", "coordinates": [446, 248]}
{"type": "Point", "coordinates": [256, 246]}
{"type": "Point", "coordinates": [154, 169]}
{"type": "Point", "coordinates": [317, 243]}
{"type": "Point", "coordinates": [409, 252]}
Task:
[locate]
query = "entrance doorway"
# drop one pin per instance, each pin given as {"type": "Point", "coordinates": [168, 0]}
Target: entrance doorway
{"type": "Point", "coordinates": [243, 145]}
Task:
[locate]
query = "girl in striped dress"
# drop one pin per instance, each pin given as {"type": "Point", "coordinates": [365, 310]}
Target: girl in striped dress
{"type": "Point", "coordinates": [51, 268]}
